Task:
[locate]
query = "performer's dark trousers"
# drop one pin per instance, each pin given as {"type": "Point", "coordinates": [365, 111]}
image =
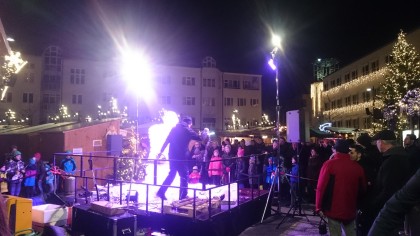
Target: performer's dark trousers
{"type": "Point", "coordinates": [182, 169]}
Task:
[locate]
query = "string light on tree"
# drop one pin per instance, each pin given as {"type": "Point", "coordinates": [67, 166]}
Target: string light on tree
{"type": "Point", "coordinates": [403, 75]}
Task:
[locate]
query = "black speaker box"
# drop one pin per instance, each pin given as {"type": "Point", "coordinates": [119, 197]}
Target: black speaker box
{"type": "Point", "coordinates": [114, 144]}
{"type": "Point", "coordinates": [92, 223]}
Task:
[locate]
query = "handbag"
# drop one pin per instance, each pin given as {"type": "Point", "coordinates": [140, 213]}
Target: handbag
{"type": "Point", "coordinates": [322, 226]}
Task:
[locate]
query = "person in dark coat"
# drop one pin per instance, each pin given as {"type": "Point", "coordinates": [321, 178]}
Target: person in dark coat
{"type": "Point", "coordinates": [178, 138]}
{"type": "Point", "coordinates": [392, 176]}
{"type": "Point", "coordinates": [402, 202]}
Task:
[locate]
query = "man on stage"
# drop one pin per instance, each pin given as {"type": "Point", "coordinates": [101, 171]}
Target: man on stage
{"type": "Point", "coordinates": [178, 138]}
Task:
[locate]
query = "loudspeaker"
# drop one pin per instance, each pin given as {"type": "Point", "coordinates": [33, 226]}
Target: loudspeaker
{"type": "Point", "coordinates": [293, 126]}
{"type": "Point", "coordinates": [114, 144]}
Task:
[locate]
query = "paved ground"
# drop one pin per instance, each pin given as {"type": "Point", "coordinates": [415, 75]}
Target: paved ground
{"type": "Point", "coordinates": [287, 224]}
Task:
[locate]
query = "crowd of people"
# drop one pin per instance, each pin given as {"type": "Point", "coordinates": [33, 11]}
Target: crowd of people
{"type": "Point", "coordinates": [33, 178]}
{"type": "Point", "coordinates": [349, 180]}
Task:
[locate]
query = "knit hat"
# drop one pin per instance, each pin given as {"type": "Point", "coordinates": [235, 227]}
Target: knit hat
{"type": "Point", "coordinates": [342, 146]}
{"type": "Point", "coordinates": [16, 153]}
{"type": "Point", "coordinates": [195, 168]}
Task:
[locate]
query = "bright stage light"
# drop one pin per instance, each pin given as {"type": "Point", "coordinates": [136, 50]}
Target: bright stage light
{"type": "Point", "coordinates": [136, 71]}
{"type": "Point", "coordinates": [276, 40]}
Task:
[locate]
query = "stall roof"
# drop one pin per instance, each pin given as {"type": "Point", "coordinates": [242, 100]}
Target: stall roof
{"type": "Point", "coordinates": [341, 130]}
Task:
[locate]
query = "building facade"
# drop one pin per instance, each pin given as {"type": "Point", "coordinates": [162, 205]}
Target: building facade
{"type": "Point", "coordinates": [95, 89]}
{"type": "Point", "coordinates": [346, 98]}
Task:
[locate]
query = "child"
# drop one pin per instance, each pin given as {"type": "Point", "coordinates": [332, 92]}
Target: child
{"type": "Point", "coordinates": [270, 173]}
{"type": "Point", "coordinates": [215, 168]}
{"type": "Point", "coordinates": [195, 176]}
{"type": "Point", "coordinates": [294, 179]}
{"type": "Point", "coordinates": [30, 177]}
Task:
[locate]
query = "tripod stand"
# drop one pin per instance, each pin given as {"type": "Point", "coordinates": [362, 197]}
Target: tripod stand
{"type": "Point", "coordinates": [295, 193]}
{"type": "Point", "coordinates": [274, 181]}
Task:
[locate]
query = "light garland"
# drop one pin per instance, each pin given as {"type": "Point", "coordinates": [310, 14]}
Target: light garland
{"type": "Point", "coordinates": [365, 80]}
{"type": "Point", "coordinates": [348, 110]}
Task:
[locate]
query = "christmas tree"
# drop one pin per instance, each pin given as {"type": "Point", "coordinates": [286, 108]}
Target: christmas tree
{"type": "Point", "coordinates": [403, 75]}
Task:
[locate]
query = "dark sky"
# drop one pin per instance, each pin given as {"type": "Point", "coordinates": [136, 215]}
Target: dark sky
{"type": "Point", "coordinates": [236, 33]}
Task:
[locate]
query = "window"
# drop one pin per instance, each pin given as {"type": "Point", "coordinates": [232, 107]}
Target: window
{"type": "Point", "coordinates": [209, 123]}
{"type": "Point", "coordinates": [326, 106]}
{"type": "Point", "coordinates": [348, 101]}
{"type": "Point", "coordinates": [326, 87]}
{"type": "Point", "coordinates": [347, 78]}
{"type": "Point", "coordinates": [333, 104]}
{"type": "Point", "coordinates": [228, 102]}
{"type": "Point", "coordinates": [254, 102]}
{"type": "Point", "coordinates": [355, 99]}
{"type": "Point", "coordinates": [366, 96]}
{"type": "Point", "coordinates": [338, 81]}
{"type": "Point", "coordinates": [339, 103]}
{"type": "Point", "coordinates": [188, 81]}
{"type": "Point", "coordinates": [28, 98]}
{"type": "Point", "coordinates": [332, 83]}
{"type": "Point", "coordinates": [188, 101]}
{"type": "Point", "coordinates": [77, 76]}
{"type": "Point", "coordinates": [367, 123]}
{"type": "Point", "coordinates": [165, 100]}
{"type": "Point", "coordinates": [365, 69]}
{"type": "Point", "coordinates": [76, 99]}
{"type": "Point", "coordinates": [209, 83]}
{"type": "Point", "coordinates": [375, 65]}
{"type": "Point", "coordinates": [354, 75]}
{"type": "Point", "coordinates": [241, 102]}
{"type": "Point", "coordinates": [355, 123]}
{"type": "Point", "coordinates": [209, 102]}
{"type": "Point", "coordinates": [388, 59]}
{"type": "Point", "coordinates": [252, 84]}
{"type": "Point", "coordinates": [348, 123]}
{"type": "Point", "coordinates": [232, 84]}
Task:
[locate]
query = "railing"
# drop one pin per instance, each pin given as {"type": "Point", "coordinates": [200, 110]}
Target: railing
{"type": "Point", "coordinates": [81, 176]}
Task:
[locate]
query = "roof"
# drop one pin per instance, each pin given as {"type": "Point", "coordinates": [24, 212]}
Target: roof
{"type": "Point", "coordinates": [341, 130]}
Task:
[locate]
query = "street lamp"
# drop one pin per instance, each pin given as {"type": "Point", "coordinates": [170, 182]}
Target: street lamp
{"type": "Point", "coordinates": [274, 64]}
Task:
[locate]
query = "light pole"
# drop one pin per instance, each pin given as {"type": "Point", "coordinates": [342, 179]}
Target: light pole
{"type": "Point", "coordinates": [274, 64]}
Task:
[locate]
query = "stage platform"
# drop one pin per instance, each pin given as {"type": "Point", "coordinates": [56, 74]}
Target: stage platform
{"type": "Point", "coordinates": [222, 220]}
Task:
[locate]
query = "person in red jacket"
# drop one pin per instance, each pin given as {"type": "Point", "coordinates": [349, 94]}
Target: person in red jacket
{"type": "Point", "coordinates": [340, 184]}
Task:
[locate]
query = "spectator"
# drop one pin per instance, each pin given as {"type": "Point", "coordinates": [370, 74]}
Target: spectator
{"type": "Point", "coordinates": [49, 179]}
{"type": "Point", "coordinates": [194, 177]}
{"type": "Point", "coordinates": [413, 151]}
{"type": "Point", "coordinates": [240, 166]}
{"type": "Point", "coordinates": [228, 164]}
{"type": "Point", "coordinates": [252, 172]}
{"type": "Point", "coordinates": [270, 174]}
{"type": "Point", "coordinates": [294, 182]}
{"type": "Point", "coordinates": [68, 165]}
{"type": "Point", "coordinates": [393, 174]}
{"type": "Point", "coordinates": [341, 182]}
{"type": "Point", "coordinates": [314, 167]}
{"type": "Point", "coordinates": [392, 214]}
{"type": "Point", "coordinates": [215, 168]}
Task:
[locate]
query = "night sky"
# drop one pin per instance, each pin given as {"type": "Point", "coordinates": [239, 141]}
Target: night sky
{"type": "Point", "coordinates": [236, 33]}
